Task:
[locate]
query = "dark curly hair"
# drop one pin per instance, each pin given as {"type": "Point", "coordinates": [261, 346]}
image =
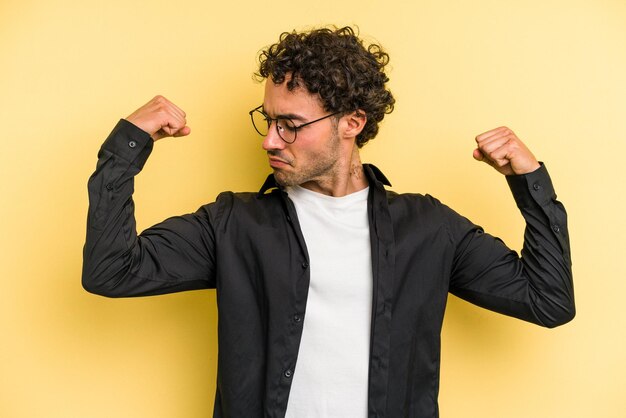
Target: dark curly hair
{"type": "Point", "coordinates": [334, 64]}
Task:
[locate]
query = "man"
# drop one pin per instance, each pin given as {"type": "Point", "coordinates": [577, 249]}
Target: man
{"type": "Point", "coordinates": [331, 290]}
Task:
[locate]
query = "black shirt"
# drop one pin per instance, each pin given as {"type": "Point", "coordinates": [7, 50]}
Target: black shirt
{"type": "Point", "coordinates": [249, 247]}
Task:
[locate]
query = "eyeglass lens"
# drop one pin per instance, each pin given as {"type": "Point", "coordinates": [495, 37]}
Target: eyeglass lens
{"type": "Point", "coordinates": [285, 127]}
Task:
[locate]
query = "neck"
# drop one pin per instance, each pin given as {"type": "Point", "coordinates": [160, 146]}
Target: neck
{"type": "Point", "coordinates": [347, 177]}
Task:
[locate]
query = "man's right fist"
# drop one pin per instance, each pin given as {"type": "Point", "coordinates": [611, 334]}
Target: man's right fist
{"type": "Point", "coordinates": [160, 118]}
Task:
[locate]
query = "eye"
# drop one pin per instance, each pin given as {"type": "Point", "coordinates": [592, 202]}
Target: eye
{"type": "Point", "coordinates": [286, 125]}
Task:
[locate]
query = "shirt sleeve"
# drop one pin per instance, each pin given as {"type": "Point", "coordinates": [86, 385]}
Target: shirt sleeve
{"type": "Point", "coordinates": [173, 256]}
{"type": "Point", "coordinates": [536, 287]}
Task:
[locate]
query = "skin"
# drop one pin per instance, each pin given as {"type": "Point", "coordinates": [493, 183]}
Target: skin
{"type": "Point", "coordinates": [503, 150]}
{"type": "Point", "coordinates": [324, 158]}
{"type": "Point", "coordinates": [160, 118]}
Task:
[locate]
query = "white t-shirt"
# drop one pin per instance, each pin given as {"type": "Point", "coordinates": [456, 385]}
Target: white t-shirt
{"type": "Point", "coordinates": [331, 374]}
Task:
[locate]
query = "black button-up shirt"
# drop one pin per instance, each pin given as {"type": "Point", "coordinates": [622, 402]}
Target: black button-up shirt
{"type": "Point", "coordinates": [249, 247]}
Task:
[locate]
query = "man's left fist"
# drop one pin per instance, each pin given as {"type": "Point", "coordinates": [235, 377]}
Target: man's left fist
{"type": "Point", "coordinates": [503, 150]}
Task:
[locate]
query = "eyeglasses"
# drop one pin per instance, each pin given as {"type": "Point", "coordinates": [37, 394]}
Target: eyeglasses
{"type": "Point", "coordinates": [287, 130]}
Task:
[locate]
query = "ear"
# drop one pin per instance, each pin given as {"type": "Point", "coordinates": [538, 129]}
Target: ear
{"type": "Point", "coordinates": [353, 123]}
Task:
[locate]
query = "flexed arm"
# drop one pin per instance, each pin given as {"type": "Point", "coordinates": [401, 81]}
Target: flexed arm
{"type": "Point", "coordinates": [172, 256]}
{"type": "Point", "coordinates": [537, 286]}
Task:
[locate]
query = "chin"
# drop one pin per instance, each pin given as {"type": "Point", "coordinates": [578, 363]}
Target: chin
{"type": "Point", "coordinates": [284, 179]}
{"type": "Point", "coordinates": [280, 178]}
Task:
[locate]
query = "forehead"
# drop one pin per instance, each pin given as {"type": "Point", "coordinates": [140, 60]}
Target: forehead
{"type": "Point", "coordinates": [279, 100]}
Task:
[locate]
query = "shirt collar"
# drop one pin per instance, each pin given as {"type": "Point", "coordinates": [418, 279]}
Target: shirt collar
{"type": "Point", "coordinates": [373, 173]}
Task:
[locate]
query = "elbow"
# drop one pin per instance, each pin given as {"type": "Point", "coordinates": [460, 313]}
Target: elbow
{"type": "Point", "coordinates": [561, 317]}
{"type": "Point", "coordinates": [96, 289]}
{"type": "Point", "coordinates": [554, 307]}
{"type": "Point", "coordinates": [93, 284]}
{"type": "Point", "coordinates": [104, 278]}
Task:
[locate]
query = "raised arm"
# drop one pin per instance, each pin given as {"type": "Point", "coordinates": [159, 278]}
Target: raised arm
{"type": "Point", "coordinates": [172, 256]}
{"type": "Point", "coordinates": [536, 287]}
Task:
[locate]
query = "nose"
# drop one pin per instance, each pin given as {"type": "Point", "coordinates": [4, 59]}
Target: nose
{"type": "Point", "coordinates": [272, 140]}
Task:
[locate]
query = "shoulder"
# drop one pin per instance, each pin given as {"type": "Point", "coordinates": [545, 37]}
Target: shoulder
{"type": "Point", "coordinates": [414, 202]}
{"type": "Point", "coordinates": [229, 206]}
{"type": "Point", "coordinates": [402, 203]}
{"type": "Point", "coordinates": [423, 211]}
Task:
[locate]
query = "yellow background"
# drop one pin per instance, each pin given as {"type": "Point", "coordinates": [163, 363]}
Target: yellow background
{"type": "Point", "coordinates": [553, 70]}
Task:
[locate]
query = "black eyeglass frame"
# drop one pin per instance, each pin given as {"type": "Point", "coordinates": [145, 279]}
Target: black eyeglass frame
{"type": "Point", "coordinates": [270, 120]}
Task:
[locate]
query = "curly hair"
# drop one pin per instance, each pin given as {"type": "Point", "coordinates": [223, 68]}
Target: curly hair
{"type": "Point", "coordinates": [334, 64]}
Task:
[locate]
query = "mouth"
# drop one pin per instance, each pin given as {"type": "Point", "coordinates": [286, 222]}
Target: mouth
{"type": "Point", "coordinates": [276, 162]}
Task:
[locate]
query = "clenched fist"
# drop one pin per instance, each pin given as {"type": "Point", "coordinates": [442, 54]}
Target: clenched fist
{"type": "Point", "coordinates": [503, 150]}
{"type": "Point", "coordinates": [160, 118]}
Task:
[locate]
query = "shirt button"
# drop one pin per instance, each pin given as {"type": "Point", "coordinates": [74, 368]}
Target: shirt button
{"type": "Point", "coordinates": [109, 186]}
{"type": "Point", "coordinates": [132, 144]}
{"type": "Point", "coordinates": [297, 318]}
{"type": "Point", "coordinates": [288, 373]}
{"type": "Point", "coordinates": [556, 228]}
{"type": "Point", "coordinates": [536, 186]}
{"type": "Point", "coordinates": [305, 265]}
{"type": "Point", "coordinates": [288, 218]}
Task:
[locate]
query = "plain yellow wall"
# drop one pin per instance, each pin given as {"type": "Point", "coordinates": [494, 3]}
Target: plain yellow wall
{"type": "Point", "coordinates": [553, 70]}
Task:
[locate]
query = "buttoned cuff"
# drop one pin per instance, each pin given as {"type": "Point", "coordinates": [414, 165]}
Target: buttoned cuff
{"type": "Point", "coordinates": [532, 188]}
{"type": "Point", "coordinates": [130, 143]}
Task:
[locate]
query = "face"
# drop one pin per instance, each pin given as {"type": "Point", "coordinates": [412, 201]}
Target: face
{"type": "Point", "coordinates": [314, 156]}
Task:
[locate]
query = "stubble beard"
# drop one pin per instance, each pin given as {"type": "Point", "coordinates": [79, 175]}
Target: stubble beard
{"type": "Point", "coordinates": [320, 166]}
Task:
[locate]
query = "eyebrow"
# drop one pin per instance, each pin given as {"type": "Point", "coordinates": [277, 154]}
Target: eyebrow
{"type": "Point", "coordinates": [291, 116]}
